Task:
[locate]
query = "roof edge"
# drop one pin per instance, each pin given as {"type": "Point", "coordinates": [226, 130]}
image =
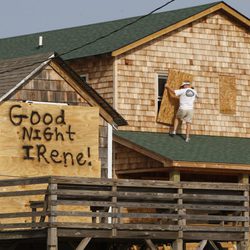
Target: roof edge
{"type": "Point", "coordinates": [220, 6]}
{"type": "Point", "coordinates": [127, 143]}
{"type": "Point", "coordinates": [212, 166]}
{"type": "Point", "coordinates": [99, 100]}
{"type": "Point", "coordinates": [24, 80]}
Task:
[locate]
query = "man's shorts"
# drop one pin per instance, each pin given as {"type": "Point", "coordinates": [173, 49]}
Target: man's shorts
{"type": "Point", "coordinates": [185, 115]}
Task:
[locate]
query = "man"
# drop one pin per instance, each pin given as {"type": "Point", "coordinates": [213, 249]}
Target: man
{"type": "Point", "coordinates": [185, 112]}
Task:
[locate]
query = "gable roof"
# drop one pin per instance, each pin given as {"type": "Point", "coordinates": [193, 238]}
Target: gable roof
{"type": "Point", "coordinates": [14, 73]}
{"type": "Point", "coordinates": [133, 35]}
{"type": "Point", "coordinates": [201, 148]}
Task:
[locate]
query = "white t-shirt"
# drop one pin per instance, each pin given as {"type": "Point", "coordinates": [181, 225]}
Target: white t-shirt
{"type": "Point", "coordinates": [187, 98]}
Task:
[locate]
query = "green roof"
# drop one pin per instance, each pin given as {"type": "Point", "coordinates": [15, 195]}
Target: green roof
{"type": "Point", "coordinates": [66, 39]}
{"type": "Point", "coordinates": [201, 148]}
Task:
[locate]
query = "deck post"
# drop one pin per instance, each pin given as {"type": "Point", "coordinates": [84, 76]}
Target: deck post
{"type": "Point", "coordinates": [244, 245]}
{"type": "Point", "coordinates": [52, 240]}
{"type": "Point", "coordinates": [175, 176]}
{"type": "Point", "coordinates": [114, 210]}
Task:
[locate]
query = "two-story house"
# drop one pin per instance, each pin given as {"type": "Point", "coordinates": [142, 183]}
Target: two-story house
{"type": "Point", "coordinates": [129, 65]}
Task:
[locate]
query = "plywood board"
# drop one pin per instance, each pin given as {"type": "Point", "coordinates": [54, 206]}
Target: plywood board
{"type": "Point", "coordinates": [227, 94]}
{"type": "Point", "coordinates": [39, 139]}
{"type": "Point", "coordinates": [170, 104]}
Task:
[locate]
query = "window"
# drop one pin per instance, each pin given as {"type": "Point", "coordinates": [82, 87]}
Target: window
{"type": "Point", "coordinates": [84, 77]}
{"type": "Point", "coordinates": [161, 81]}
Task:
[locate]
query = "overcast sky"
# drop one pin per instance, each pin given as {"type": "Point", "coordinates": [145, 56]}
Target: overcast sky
{"type": "Point", "coordinates": [19, 17]}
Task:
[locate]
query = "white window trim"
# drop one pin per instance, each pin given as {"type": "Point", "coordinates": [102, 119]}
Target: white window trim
{"type": "Point", "coordinates": [157, 89]}
{"type": "Point", "coordinates": [86, 76]}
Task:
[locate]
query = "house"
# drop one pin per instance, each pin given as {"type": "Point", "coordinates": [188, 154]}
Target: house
{"type": "Point", "coordinates": [45, 79]}
{"type": "Point", "coordinates": [129, 69]}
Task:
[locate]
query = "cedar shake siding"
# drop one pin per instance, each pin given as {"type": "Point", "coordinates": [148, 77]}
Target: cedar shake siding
{"type": "Point", "coordinates": [209, 48]}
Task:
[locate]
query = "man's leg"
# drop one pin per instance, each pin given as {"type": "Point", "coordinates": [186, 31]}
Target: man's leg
{"type": "Point", "coordinates": [188, 128]}
{"type": "Point", "coordinates": [176, 123]}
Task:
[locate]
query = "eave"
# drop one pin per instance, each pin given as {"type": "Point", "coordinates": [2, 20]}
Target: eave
{"type": "Point", "coordinates": [186, 166]}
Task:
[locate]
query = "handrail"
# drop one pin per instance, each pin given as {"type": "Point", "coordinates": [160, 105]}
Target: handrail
{"type": "Point", "coordinates": [126, 208]}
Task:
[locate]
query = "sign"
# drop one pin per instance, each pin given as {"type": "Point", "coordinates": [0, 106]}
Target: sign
{"type": "Point", "coordinates": [45, 139]}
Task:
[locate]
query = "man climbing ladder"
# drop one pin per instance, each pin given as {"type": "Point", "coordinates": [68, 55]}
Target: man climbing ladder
{"type": "Point", "coordinates": [185, 112]}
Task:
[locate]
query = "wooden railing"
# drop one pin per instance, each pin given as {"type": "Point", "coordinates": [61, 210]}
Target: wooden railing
{"type": "Point", "coordinates": [115, 208]}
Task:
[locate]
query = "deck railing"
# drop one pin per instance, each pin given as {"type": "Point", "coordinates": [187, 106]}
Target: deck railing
{"type": "Point", "coordinates": [116, 208]}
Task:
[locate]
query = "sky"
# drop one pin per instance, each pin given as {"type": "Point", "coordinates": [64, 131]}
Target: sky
{"type": "Point", "coordinates": [21, 17]}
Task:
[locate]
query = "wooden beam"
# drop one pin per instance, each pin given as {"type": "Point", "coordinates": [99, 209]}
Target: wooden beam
{"type": "Point", "coordinates": [141, 170]}
{"type": "Point", "coordinates": [82, 245]}
{"type": "Point", "coordinates": [220, 6]}
{"type": "Point", "coordinates": [150, 244]}
{"type": "Point", "coordinates": [202, 245]}
{"type": "Point", "coordinates": [177, 244]}
{"type": "Point", "coordinates": [244, 179]}
{"type": "Point", "coordinates": [175, 176]}
{"type": "Point", "coordinates": [212, 165]}
{"type": "Point", "coordinates": [52, 240]}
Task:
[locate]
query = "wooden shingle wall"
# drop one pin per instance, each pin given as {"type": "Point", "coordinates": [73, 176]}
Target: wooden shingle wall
{"type": "Point", "coordinates": [48, 86]}
{"type": "Point", "coordinates": [207, 49]}
{"type": "Point", "coordinates": [99, 71]}
{"type": "Point", "coordinates": [126, 158]}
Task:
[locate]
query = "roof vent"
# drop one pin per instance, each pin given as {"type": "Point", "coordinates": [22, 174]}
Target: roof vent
{"type": "Point", "coordinates": [40, 42]}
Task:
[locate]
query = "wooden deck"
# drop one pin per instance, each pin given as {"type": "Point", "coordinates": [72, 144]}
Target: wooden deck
{"type": "Point", "coordinates": [88, 208]}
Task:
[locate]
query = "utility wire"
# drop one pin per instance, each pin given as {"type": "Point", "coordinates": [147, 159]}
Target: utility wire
{"type": "Point", "coordinates": [119, 29]}
{"type": "Point", "coordinates": [93, 41]}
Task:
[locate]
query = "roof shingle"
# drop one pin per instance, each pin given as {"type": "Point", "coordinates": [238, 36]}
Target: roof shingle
{"type": "Point", "coordinates": [201, 148]}
{"type": "Point", "coordinates": [66, 39]}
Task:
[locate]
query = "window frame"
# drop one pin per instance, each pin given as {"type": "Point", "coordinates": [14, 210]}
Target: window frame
{"type": "Point", "coordinates": [158, 98]}
{"type": "Point", "coordinates": [86, 76]}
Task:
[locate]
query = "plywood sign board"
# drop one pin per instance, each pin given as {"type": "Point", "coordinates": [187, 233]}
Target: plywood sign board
{"type": "Point", "coordinates": [227, 94]}
{"type": "Point", "coordinates": [170, 103]}
{"type": "Point", "coordinates": [43, 139]}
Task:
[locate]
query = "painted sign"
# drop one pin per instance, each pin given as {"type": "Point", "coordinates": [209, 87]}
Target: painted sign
{"type": "Point", "coordinates": [44, 139]}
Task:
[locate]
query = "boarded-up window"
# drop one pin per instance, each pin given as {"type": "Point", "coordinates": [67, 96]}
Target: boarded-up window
{"type": "Point", "coordinates": [170, 104]}
{"type": "Point", "coordinates": [227, 94]}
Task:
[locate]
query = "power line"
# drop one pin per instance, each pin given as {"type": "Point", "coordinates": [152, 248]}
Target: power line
{"type": "Point", "coordinates": [95, 40]}
{"type": "Point", "coordinates": [119, 29]}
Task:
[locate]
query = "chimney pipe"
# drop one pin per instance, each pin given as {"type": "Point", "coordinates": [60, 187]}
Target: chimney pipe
{"type": "Point", "coordinates": [40, 43]}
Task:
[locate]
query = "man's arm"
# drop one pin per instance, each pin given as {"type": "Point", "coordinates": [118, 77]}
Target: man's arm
{"type": "Point", "coordinates": [170, 90]}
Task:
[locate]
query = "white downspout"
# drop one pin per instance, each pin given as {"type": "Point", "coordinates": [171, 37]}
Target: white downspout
{"type": "Point", "coordinates": [110, 127]}
{"type": "Point", "coordinates": [110, 151]}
